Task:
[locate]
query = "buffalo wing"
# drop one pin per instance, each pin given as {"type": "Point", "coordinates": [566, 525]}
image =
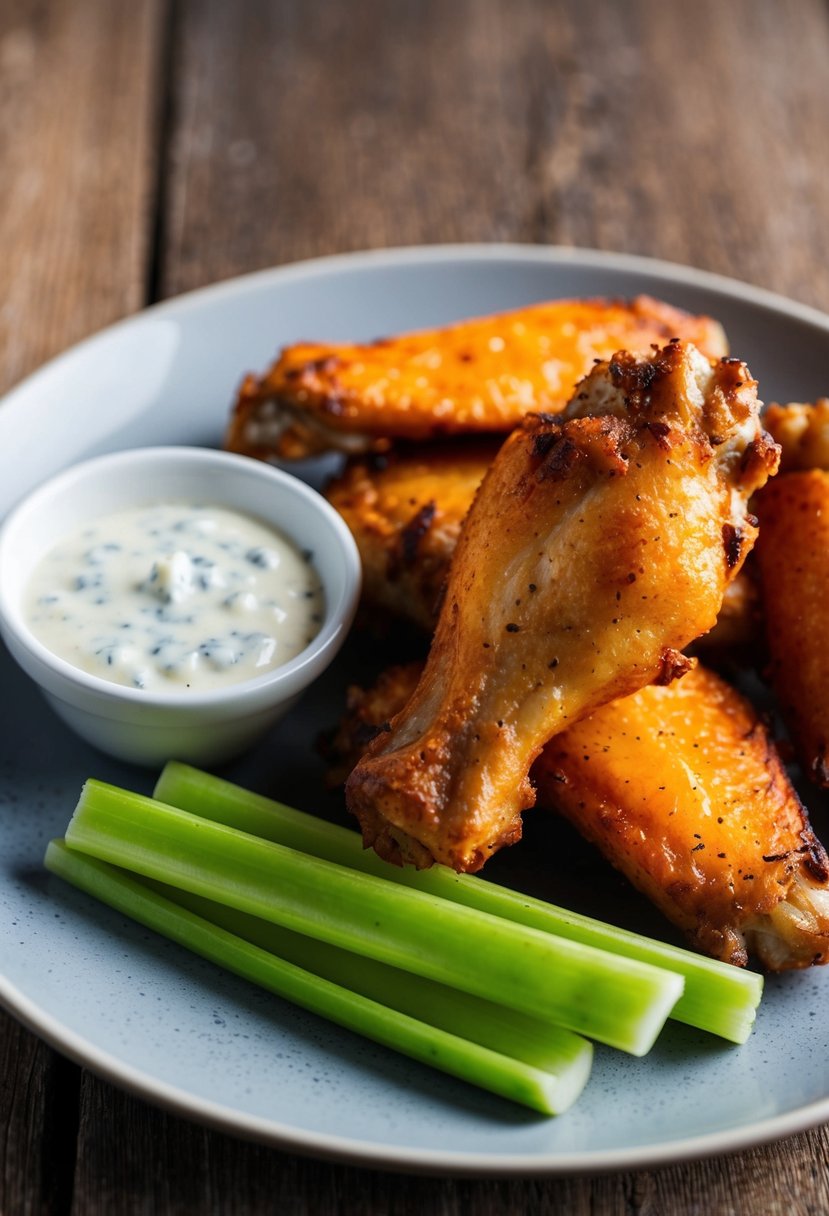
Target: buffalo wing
{"type": "Point", "coordinates": [682, 790]}
{"type": "Point", "coordinates": [599, 545]}
{"type": "Point", "coordinates": [470, 377]}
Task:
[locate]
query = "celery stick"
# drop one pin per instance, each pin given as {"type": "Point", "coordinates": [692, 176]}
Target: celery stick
{"type": "Point", "coordinates": [718, 997]}
{"type": "Point", "coordinates": [514, 1034]}
{"type": "Point", "coordinates": [540, 1044]}
{"type": "Point", "coordinates": [623, 1003]}
{"type": "Point", "coordinates": [541, 1090]}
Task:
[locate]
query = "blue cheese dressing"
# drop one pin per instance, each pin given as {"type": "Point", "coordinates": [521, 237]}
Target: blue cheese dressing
{"type": "Point", "coordinates": [175, 596]}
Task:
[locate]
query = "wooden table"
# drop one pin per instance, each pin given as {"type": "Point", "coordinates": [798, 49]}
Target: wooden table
{"type": "Point", "coordinates": [151, 147]}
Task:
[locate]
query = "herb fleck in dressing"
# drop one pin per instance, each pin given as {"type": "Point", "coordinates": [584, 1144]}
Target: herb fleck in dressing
{"type": "Point", "coordinates": [174, 594]}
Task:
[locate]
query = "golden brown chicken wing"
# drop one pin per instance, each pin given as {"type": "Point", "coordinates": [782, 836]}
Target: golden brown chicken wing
{"type": "Point", "coordinates": [405, 511]}
{"type": "Point", "coordinates": [794, 580]}
{"type": "Point", "coordinates": [598, 546]}
{"type": "Point", "coordinates": [682, 790]}
{"type": "Point", "coordinates": [475, 376]}
{"type": "Point", "coordinates": [802, 430]}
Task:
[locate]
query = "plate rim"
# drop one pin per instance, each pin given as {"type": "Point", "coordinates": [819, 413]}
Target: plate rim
{"type": "Point", "coordinates": [365, 1154]}
{"type": "Point", "coordinates": [360, 1152]}
{"type": "Point", "coordinates": [553, 255]}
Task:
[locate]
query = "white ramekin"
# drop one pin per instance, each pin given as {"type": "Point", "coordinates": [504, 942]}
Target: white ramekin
{"type": "Point", "coordinates": [151, 727]}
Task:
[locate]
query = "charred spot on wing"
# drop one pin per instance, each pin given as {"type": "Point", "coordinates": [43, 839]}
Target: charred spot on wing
{"type": "Point", "coordinates": [733, 544]}
{"type": "Point", "coordinates": [606, 440]}
{"type": "Point", "coordinates": [815, 861]}
{"type": "Point", "coordinates": [406, 550]}
{"type": "Point", "coordinates": [661, 433]}
{"type": "Point", "coordinates": [635, 377]}
{"type": "Point", "coordinates": [600, 440]}
{"type": "Point", "coordinates": [543, 441]}
{"type": "Point", "coordinates": [673, 665]}
{"type": "Point", "coordinates": [760, 459]}
{"type": "Point", "coordinates": [558, 459]}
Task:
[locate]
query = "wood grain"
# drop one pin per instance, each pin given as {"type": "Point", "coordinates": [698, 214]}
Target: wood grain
{"type": "Point", "coordinates": [155, 147]}
{"type": "Point", "coordinates": [78, 89]}
{"type": "Point", "coordinates": [134, 1160]}
{"type": "Point", "coordinates": [691, 132]}
{"type": "Point", "coordinates": [38, 1112]}
{"type": "Point", "coordinates": [77, 124]}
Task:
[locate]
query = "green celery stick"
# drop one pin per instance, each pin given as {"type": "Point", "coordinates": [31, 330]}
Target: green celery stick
{"type": "Point", "coordinates": [540, 1044]}
{"type": "Point", "coordinates": [623, 1003]}
{"type": "Point", "coordinates": [718, 997]}
{"type": "Point", "coordinates": [545, 1090]}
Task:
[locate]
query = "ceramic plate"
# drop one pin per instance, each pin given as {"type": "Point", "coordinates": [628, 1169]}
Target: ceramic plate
{"type": "Point", "coordinates": [172, 1028]}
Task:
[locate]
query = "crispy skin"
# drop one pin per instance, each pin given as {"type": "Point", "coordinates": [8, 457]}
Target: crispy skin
{"type": "Point", "coordinates": [598, 546]}
{"type": "Point", "coordinates": [475, 376]}
{"type": "Point", "coordinates": [794, 580]}
{"type": "Point", "coordinates": [802, 430]}
{"type": "Point", "coordinates": [405, 511]}
{"type": "Point", "coordinates": [682, 790]}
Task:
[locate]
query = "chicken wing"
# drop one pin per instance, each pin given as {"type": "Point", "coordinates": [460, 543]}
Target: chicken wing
{"type": "Point", "coordinates": [405, 512]}
{"type": "Point", "coordinates": [405, 509]}
{"type": "Point", "coordinates": [794, 580]}
{"type": "Point", "coordinates": [599, 544]}
{"type": "Point", "coordinates": [475, 376]}
{"type": "Point", "coordinates": [802, 430]}
{"type": "Point", "coordinates": [682, 789]}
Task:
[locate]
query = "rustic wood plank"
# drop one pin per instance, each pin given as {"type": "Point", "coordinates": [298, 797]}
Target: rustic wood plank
{"type": "Point", "coordinates": [38, 1112]}
{"type": "Point", "coordinates": [587, 124]}
{"type": "Point", "coordinates": [136, 1161]}
{"type": "Point", "coordinates": [78, 101]}
{"type": "Point", "coordinates": [77, 120]}
{"type": "Point", "coordinates": [692, 132]}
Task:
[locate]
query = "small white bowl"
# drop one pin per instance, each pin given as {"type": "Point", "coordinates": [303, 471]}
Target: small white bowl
{"type": "Point", "coordinates": [152, 727]}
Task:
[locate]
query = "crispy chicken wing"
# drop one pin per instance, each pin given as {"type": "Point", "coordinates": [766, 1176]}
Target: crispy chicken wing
{"type": "Point", "coordinates": [599, 545]}
{"type": "Point", "coordinates": [681, 789]}
{"type": "Point", "coordinates": [802, 430]}
{"type": "Point", "coordinates": [794, 580]}
{"type": "Point", "coordinates": [475, 376]}
{"type": "Point", "coordinates": [405, 511]}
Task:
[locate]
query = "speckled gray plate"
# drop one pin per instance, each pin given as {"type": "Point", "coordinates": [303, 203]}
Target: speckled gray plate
{"type": "Point", "coordinates": [176, 1030]}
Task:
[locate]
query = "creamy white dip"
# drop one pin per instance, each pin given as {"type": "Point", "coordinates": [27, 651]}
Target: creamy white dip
{"type": "Point", "coordinates": [175, 595]}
